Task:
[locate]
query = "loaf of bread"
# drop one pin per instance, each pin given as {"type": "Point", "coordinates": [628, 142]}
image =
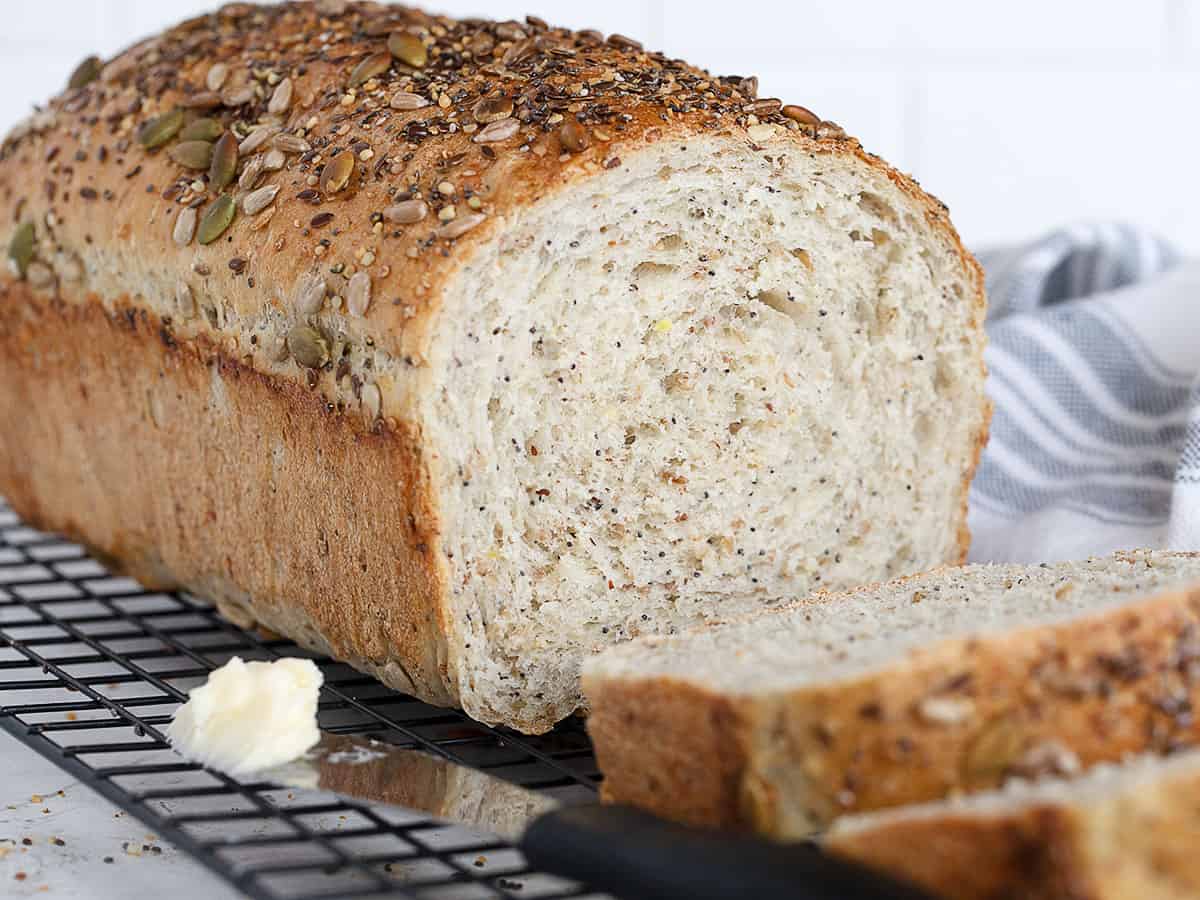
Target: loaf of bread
{"type": "Point", "coordinates": [1119, 832]}
{"type": "Point", "coordinates": [461, 349]}
{"type": "Point", "coordinates": [903, 693]}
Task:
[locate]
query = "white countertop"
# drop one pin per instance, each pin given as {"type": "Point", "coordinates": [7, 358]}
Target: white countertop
{"type": "Point", "coordinates": [90, 829]}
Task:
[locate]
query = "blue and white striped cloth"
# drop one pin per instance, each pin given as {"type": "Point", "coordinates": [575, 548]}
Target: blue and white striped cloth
{"type": "Point", "coordinates": [1094, 356]}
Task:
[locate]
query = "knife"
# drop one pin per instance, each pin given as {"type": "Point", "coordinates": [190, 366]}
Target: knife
{"type": "Point", "coordinates": [616, 849]}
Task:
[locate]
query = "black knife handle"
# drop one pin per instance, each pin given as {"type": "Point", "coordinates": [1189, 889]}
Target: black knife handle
{"type": "Point", "coordinates": [637, 856]}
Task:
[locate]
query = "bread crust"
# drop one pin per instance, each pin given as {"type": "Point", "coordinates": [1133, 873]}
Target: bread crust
{"type": "Point", "coordinates": [1135, 845]}
{"type": "Point", "coordinates": [192, 470]}
{"type": "Point", "coordinates": [103, 210]}
{"type": "Point", "coordinates": [1105, 685]}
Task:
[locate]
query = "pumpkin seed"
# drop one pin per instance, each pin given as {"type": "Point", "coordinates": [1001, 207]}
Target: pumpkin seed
{"type": "Point", "coordinates": [85, 73]}
{"type": "Point", "coordinates": [256, 201]}
{"type": "Point", "coordinates": [358, 294]}
{"type": "Point", "coordinates": [20, 248]}
{"type": "Point", "coordinates": [338, 172]}
{"type": "Point", "coordinates": [217, 218]}
{"type": "Point", "coordinates": [310, 294]}
{"type": "Point", "coordinates": [371, 67]}
{"type": "Point", "coordinates": [157, 131]}
{"type": "Point", "coordinates": [185, 226]}
{"type": "Point", "coordinates": [500, 130]}
{"type": "Point", "coordinates": [408, 48]}
{"type": "Point", "coordinates": [492, 109]}
{"type": "Point", "coordinates": [202, 130]}
{"type": "Point", "coordinates": [192, 154]}
{"type": "Point", "coordinates": [216, 76]}
{"type": "Point", "coordinates": [407, 212]}
{"type": "Point", "coordinates": [281, 99]}
{"type": "Point", "coordinates": [224, 162]}
{"type": "Point", "coordinates": [405, 101]}
{"type": "Point", "coordinates": [573, 136]}
{"type": "Point", "coordinates": [308, 346]}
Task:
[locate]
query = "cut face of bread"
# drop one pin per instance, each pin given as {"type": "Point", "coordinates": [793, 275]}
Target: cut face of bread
{"type": "Point", "coordinates": [1117, 832]}
{"type": "Point", "coordinates": [680, 388]}
{"type": "Point", "coordinates": [899, 693]}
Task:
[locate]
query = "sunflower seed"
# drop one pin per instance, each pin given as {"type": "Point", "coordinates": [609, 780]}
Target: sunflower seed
{"type": "Point", "coordinates": [290, 143]}
{"type": "Point", "coordinates": [85, 73]}
{"type": "Point", "coordinates": [216, 76]}
{"type": "Point", "coordinates": [202, 100]}
{"type": "Point", "coordinates": [408, 48]}
{"type": "Point", "coordinates": [185, 302]}
{"type": "Point", "coordinates": [238, 96]}
{"type": "Point", "coordinates": [256, 201]}
{"type": "Point", "coordinates": [381, 25]}
{"type": "Point", "coordinates": [372, 401]}
{"type": "Point", "coordinates": [573, 136]}
{"type": "Point", "coordinates": [358, 294]}
{"type": "Point", "coordinates": [492, 109]}
{"type": "Point", "coordinates": [404, 101]}
{"type": "Point", "coordinates": [157, 131]}
{"type": "Point", "coordinates": [274, 160]}
{"type": "Point", "coordinates": [509, 31]}
{"type": "Point", "coordinates": [257, 138]}
{"type": "Point", "coordinates": [185, 226]}
{"type": "Point", "coordinates": [338, 172]}
{"type": "Point", "coordinates": [310, 294]}
{"type": "Point", "coordinates": [202, 130]}
{"type": "Point", "coordinates": [251, 172]}
{"type": "Point", "coordinates": [946, 710]}
{"type": "Point", "coordinates": [39, 275]}
{"type": "Point", "coordinates": [801, 115]}
{"type": "Point", "coordinates": [224, 162]}
{"type": "Point", "coordinates": [217, 218]}
{"type": "Point", "coordinates": [500, 130]}
{"type": "Point", "coordinates": [407, 212]}
{"type": "Point", "coordinates": [481, 45]}
{"type": "Point", "coordinates": [331, 7]}
{"type": "Point", "coordinates": [460, 226]}
{"type": "Point", "coordinates": [370, 67]}
{"type": "Point", "coordinates": [763, 107]}
{"type": "Point", "coordinates": [308, 346]}
{"type": "Point", "coordinates": [192, 154]}
{"type": "Point", "coordinates": [281, 99]}
{"type": "Point", "coordinates": [20, 249]}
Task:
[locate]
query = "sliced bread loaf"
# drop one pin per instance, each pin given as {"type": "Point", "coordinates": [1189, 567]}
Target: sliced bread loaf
{"type": "Point", "coordinates": [1120, 832]}
{"type": "Point", "coordinates": [472, 361]}
{"type": "Point", "coordinates": [899, 693]}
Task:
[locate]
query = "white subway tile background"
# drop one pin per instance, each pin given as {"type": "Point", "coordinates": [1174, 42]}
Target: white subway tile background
{"type": "Point", "coordinates": [1021, 115]}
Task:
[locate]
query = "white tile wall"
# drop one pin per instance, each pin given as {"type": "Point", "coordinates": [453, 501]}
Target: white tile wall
{"type": "Point", "coordinates": [1020, 114]}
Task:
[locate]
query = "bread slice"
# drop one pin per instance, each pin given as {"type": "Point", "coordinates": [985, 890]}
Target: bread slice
{"type": "Point", "coordinates": [573, 342]}
{"type": "Point", "coordinates": [900, 693]}
{"type": "Point", "coordinates": [1120, 832]}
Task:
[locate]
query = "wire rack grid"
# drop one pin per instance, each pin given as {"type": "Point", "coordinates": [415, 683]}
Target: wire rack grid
{"type": "Point", "coordinates": [92, 667]}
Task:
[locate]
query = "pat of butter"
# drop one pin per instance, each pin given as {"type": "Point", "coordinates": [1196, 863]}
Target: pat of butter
{"type": "Point", "coordinates": [250, 715]}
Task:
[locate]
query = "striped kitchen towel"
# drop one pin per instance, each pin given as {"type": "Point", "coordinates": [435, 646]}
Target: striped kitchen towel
{"type": "Point", "coordinates": [1094, 355]}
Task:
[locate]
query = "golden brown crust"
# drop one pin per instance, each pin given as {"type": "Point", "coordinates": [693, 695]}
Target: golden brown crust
{"type": "Point", "coordinates": [1106, 685]}
{"type": "Point", "coordinates": [1136, 844]}
{"type": "Point", "coordinates": [191, 470]}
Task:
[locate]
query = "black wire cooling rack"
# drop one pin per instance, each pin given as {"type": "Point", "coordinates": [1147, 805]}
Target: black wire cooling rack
{"type": "Point", "coordinates": [92, 667]}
